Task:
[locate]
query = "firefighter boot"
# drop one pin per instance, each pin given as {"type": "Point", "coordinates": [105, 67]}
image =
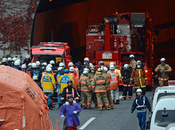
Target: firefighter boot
{"type": "Point", "coordinates": [124, 98]}
{"type": "Point", "coordinates": [83, 107]}
{"type": "Point", "coordinates": [89, 107]}
{"type": "Point", "coordinates": [108, 108]}
{"type": "Point", "coordinates": [129, 98]}
{"type": "Point", "coordinates": [112, 107]}
{"type": "Point", "coordinates": [117, 102]}
{"type": "Point", "coordinates": [100, 108]}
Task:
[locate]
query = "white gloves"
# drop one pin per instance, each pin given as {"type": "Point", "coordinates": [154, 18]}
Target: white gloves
{"type": "Point", "coordinates": [62, 116]}
{"type": "Point", "coordinates": [75, 112]}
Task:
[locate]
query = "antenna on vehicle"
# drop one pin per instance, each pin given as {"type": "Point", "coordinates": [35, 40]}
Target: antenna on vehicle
{"type": "Point", "coordinates": [166, 93]}
{"type": "Point", "coordinates": [52, 36]}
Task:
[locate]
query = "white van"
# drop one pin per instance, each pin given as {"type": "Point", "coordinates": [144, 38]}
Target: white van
{"type": "Point", "coordinates": [171, 126]}
{"type": "Point", "coordinates": [164, 113]}
{"type": "Point", "coordinates": [162, 91]}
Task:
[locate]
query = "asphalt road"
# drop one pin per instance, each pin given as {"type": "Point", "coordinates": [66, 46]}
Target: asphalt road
{"type": "Point", "coordinates": [119, 118]}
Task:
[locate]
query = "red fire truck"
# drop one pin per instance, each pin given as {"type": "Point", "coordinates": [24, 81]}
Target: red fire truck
{"type": "Point", "coordinates": [57, 51]}
{"type": "Point", "coordinates": [119, 36]}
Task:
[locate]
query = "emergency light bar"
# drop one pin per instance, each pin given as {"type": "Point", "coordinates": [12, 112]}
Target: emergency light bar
{"type": "Point", "coordinates": [171, 82]}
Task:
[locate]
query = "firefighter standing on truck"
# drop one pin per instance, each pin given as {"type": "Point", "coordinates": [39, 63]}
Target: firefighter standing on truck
{"type": "Point", "coordinates": [85, 86]}
{"type": "Point", "coordinates": [127, 87]}
{"type": "Point", "coordinates": [91, 77]}
{"type": "Point", "coordinates": [163, 70]}
{"type": "Point", "coordinates": [108, 76]}
{"type": "Point", "coordinates": [139, 77]}
{"type": "Point", "coordinates": [132, 61]}
{"type": "Point", "coordinates": [100, 86]}
{"type": "Point", "coordinates": [114, 84]}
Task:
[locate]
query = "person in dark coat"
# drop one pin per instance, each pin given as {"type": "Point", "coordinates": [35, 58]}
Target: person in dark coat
{"type": "Point", "coordinates": [70, 111]}
{"type": "Point", "coordinates": [127, 87]}
{"type": "Point", "coordinates": [27, 60]}
{"type": "Point", "coordinates": [141, 103]}
{"type": "Point", "coordinates": [69, 90]}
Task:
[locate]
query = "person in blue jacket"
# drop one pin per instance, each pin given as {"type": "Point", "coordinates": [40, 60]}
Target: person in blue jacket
{"type": "Point", "coordinates": [70, 111]}
{"type": "Point", "coordinates": [141, 102]}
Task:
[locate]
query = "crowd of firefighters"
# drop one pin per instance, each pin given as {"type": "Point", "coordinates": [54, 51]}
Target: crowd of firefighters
{"type": "Point", "coordinates": [86, 83]}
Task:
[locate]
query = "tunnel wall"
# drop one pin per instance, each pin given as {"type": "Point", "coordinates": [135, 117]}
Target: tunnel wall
{"type": "Point", "coordinates": [69, 23]}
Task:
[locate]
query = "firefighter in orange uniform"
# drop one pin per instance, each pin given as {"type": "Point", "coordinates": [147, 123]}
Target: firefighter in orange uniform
{"type": "Point", "coordinates": [114, 84]}
{"type": "Point", "coordinates": [108, 76]}
{"type": "Point", "coordinates": [163, 70]}
{"type": "Point", "coordinates": [91, 77]}
{"type": "Point", "coordinates": [100, 85]}
{"type": "Point", "coordinates": [71, 70]}
{"type": "Point", "coordinates": [85, 86]}
{"type": "Point", "coordinates": [139, 76]}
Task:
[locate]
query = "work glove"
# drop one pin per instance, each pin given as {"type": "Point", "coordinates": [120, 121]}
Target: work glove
{"type": "Point", "coordinates": [75, 112]}
{"type": "Point", "coordinates": [132, 111]}
{"type": "Point", "coordinates": [62, 116]}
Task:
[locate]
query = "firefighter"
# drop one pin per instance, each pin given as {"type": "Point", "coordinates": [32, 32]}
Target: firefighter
{"type": "Point", "coordinates": [163, 69]}
{"type": "Point", "coordinates": [69, 90]}
{"type": "Point", "coordinates": [48, 85]}
{"type": "Point", "coordinates": [61, 64]}
{"type": "Point", "coordinates": [139, 76]}
{"type": "Point", "coordinates": [35, 78]}
{"type": "Point", "coordinates": [24, 69]}
{"type": "Point", "coordinates": [108, 76]}
{"type": "Point", "coordinates": [62, 83]}
{"type": "Point", "coordinates": [118, 71]}
{"type": "Point", "coordinates": [102, 64]}
{"type": "Point", "coordinates": [54, 69]}
{"type": "Point", "coordinates": [4, 61]}
{"type": "Point", "coordinates": [85, 87]}
{"type": "Point", "coordinates": [29, 67]}
{"type": "Point", "coordinates": [82, 68]}
{"type": "Point", "coordinates": [38, 65]}
{"type": "Point", "coordinates": [35, 71]}
{"type": "Point", "coordinates": [132, 61]}
{"type": "Point", "coordinates": [114, 84]}
{"type": "Point", "coordinates": [70, 111]}
{"type": "Point", "coordinates": [126, 75]}
{"type": "Point", "coordinates": [17, 65]}
{"type": "Point", "coordinates": [71, 73]}
{"type": "Point", "coordinates": [9, 59]}
{"type": "Point", "coordinates": [44, 64]}
{"type": "Point", "coordinates": [141, 102]}
{"type": "Point", "coordinates": [100, 85]}
{"type": "Point", "coordinates": [27, 60]}
{"type": "Point", "coordinates": [91, 77]}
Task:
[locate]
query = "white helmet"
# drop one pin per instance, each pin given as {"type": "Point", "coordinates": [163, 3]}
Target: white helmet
{"type": "Point", "coordinates": [4, 59]}
{"type": "Point", "coordinates": [111, 63]}
{"type": "Point", "coordinates": [48, 69]}
{"type": "Point", "coordinates": [162, 60]}
{"type": "Point", "coordinates": [138, 90]}
{"type": "Point", "coordinates": [23, 66]}
{"type": "Point", "coordinates": [9, 59]}
{"type": "Point", "coordinates": [35, 77]}
{"type": "Point", "coordinates": [70, 64]}
{"type": "Point", "coordinates": [61, 64]}
{"type": "Point", "coordinates": [34, 65]}
{"type": "Point", "coordinates": [86, 59]}
{"type": "Point", "coordinates": [131, 56]}
{"type": "Point", "coordinates": [59, 68]}
{"type": "Point", "coordinates": [112, 67]}
{"type": "Point", "coordinates": [126, 66]}
{"type": "Point", "coordinates": [85, 72]}
{"type": "Point", "coordinates": [139, 62]}
{"type": "Point", "coordinates": [17, 62]}
{"type": "Point", "coordinates": [52, 62]}
{"type": "Point", "coordinates": [105, 69]}
{"type": "Point", "coordinates": [49, 65]}
{"type": "Point", "coordinates": [27, 56]}
{"type": "Point", "coordinates": [44, 64]}
{"type": "Point", "coordinates": [37, 63]}
{"type": "Point", "coordinates": [71, 69]}
{"type": "Point", "coordinates": [30, 64]}
{"type": "Point", "coordinates": [14, 59]}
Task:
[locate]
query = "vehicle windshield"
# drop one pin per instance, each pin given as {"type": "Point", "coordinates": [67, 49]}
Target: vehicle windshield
{"type": "Point", "coordinates": [164, 94]}
{"type": "Point", "coordinates": [163, 121]}
{"type": "Point", "coordinates": [48, 58]}
{"type": "Point", "coordinates": [125, 57]}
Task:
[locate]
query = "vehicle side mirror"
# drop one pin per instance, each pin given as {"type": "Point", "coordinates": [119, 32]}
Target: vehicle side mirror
{"type": "Point", "coordinates": [152, 96]}
{"type": "Point", "coordinates": [164, 113]}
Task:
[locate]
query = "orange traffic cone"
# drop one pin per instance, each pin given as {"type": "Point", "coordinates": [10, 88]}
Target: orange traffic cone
{"type": "Point", "coordinates": [57, 126]}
